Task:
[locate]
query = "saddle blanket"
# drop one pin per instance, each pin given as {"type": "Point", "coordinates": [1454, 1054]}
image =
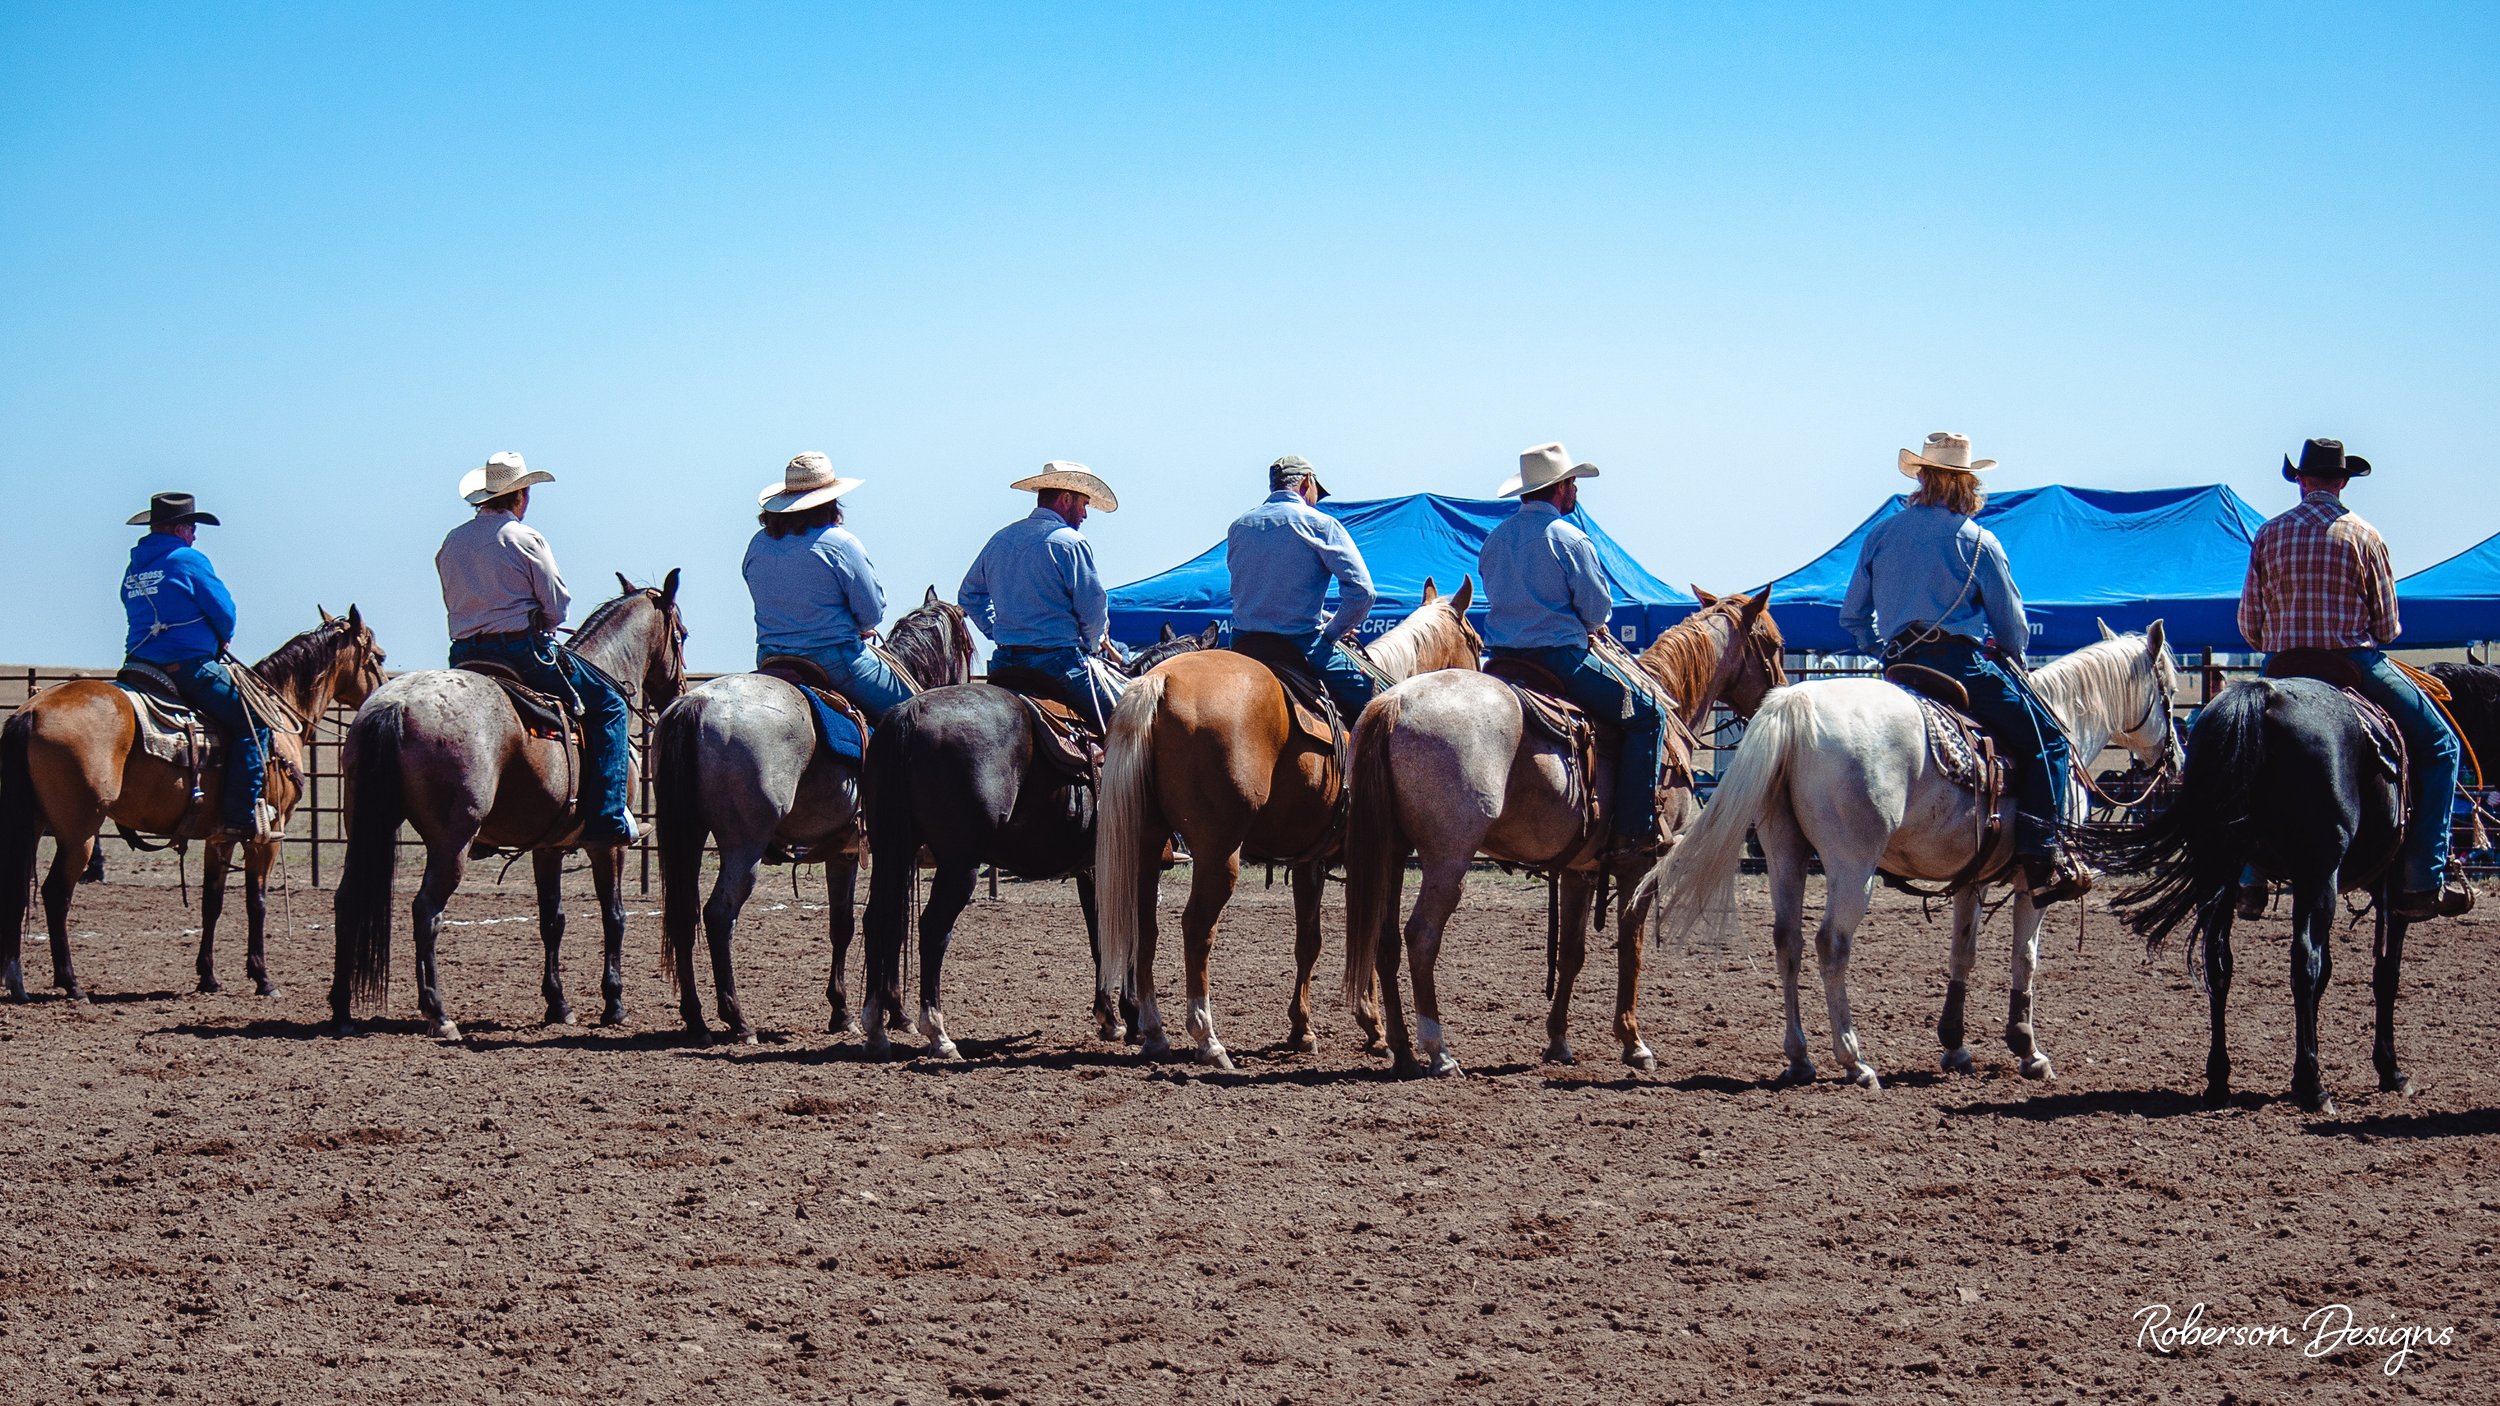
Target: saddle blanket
{"type": "Point", "coordinates": [170, 732]}
{"type": "Point", "coordinates": [836, 730]}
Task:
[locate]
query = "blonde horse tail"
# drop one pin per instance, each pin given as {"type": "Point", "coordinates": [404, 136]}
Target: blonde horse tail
{"type": "Point", "coordinates": [1122, 846]}
{"type": "Point", "coordinates": [1696, 883]}
{"type": "Point", "coordinates": [1375, 848]}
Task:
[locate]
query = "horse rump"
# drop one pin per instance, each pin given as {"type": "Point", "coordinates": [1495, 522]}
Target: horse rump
{"type": "Point", "coordinates": [677, 794]}
{"type": "Point", "coordinates": [361, 911]}
{"type": "Point", "coordinates": [2189, 856]}
{"type": "Point", "coordinates": [1375, 850]}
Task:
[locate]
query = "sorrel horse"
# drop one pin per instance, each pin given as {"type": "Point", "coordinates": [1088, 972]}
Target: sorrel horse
{"type": "Point", "coordinates": [1206, 745]}
{"type": "Point", "coordinates": [444, 751]}
{"type": "Point", "coordinates": [956, 772]}
{"type": "Point", "coordinates": [1447, 767]}
{"type": "Point", "coordinates": [739, 763]}
{"type": "Point", "coordinates": [1841, 768]}
{"type": "Point", "coordinates": [2281, 774]}
{"type": "Point", "coordinates": [69, 762]}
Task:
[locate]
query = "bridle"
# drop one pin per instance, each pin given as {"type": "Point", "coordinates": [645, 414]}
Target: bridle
{"type": "Point", "coordinates": [2165, 690]}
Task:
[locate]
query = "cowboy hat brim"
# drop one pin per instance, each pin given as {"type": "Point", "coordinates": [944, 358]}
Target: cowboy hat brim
{"type": "Point", "coordinates": [1517, 484]}
{"type": "Point", "coordinates": [2354, 467]}
{"type": "Point", "coordinates": [779, 499]}
{"type": "Point", "coordinates": [474, 490]}
{"type": "Point", "coordinates": [1912, 463]}
{"type": "Point", "coordinates": [1095, 490]}
{"type": "Point", "coordinates": [149, 519]}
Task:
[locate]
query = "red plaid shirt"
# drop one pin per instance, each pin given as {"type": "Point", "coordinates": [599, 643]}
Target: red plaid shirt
{"type": "Point", "coordinates": [2318, 579]}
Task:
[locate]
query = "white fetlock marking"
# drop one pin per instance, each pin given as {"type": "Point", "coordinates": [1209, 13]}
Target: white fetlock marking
{"type": "Point", "coordinates": [1201, 1021]}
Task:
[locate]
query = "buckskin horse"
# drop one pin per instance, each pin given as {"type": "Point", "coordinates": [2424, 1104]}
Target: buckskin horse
{"type": "Point", "coordinates": [1207, 746]}
{"type": "Point", "coordinates": [447, 752]}
{"type": "Point", "coordinates": [740, 764]}
{"type": "Point", "coordinates": [1843, 769]}
{"type": "Point", "coordinates": [958, 772]}
{"type": "Point", "coordinates": [70, 760]}
{"type": "Point", "coordinates": [1449, 766]}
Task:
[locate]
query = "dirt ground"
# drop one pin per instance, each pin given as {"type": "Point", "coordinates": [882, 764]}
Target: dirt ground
{"type": "Point", "coordinates": [209, 1199]}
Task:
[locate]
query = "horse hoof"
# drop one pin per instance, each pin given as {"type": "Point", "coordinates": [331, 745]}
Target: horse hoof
{"type": "Point", "coordinates": [943, 1048]}
{"type": "Point", "coordinates": [446, 1030]}
{"type": "Point", "coordinates": [269, 990]}
{"type": "Point", "coordinates": [1403, 1067]}
{"type": "Point", "coordinates": [1445, 1066]}
{"type": "Point", "coordinates": [613, 1016]}
{"type": "Point", "coordinates": [75, 993]}
{"type": "Point", "coordinates": [1214, 1056]}
{"type": "Point", "coordinates": [1302, 1042]}
{"type": "Point", "coordinates": [2217, 1094]}
{"type": "Point", "coordinates": [2320, 1102]}
{"type": "Point", "coordinates": [1799, 1071]}
{"type": "Point", "coordinates": [1110, 1032]}
{"type": "Point", "coordinates": [1864, 1077]}
{"type": "Point", "coordinates": [744, 1036]}
{"type": "Point", "coordinates": [2038, 1067]}
{"type": "Point", "coordinates": [562, 1017]}
{"type": "Point", "coordinates": [1152, 1047]}
{"type": "Point", "coordinates": [843, 1024]}
{"type": "Point", "coordinates": [1561, 1054]}
{"type": "Point", "coordinates": [698, 1034]}
{"type": "Point", "coordinates": [2401, 1085]}
{"type": "Point", "coordinates": [1640, 1058]}
{"type": "Point", "coordinates": [343, 1028]}
{"type": "Point", "coordinates": [1957, 1061]}
{"type": "Point", "coordinates": [209, 986]}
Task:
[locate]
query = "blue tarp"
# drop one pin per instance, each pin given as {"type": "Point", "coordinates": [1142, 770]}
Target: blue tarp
{"type": "Point", "coordinates": [2456, 602]}
{"type": "Point", "coordinates": [2080, 556]}
{"type": "Point", "coordinates": [1403, 540]}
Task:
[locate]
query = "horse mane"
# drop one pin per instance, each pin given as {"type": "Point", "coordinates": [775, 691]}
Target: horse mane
{"type": "Point", "coordinates": [295, 668]}
{"type": "Point", "coordinates": [601, 619]}
{"type": "Point", "coordinates": [1397, 651]}
{"type": "Point", "coordinates": [924, 642]}
{"type": "Point", "coordinates": [2092, 676]}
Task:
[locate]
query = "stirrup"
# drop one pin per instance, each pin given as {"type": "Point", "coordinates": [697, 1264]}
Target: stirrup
{"type": "Point", "coordinates": [2064, 879]}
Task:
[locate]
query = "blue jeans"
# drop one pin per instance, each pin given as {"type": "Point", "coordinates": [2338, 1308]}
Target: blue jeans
{"type": "Point", "coordinates": [1065, 663]}
{"type": "Point", "coordinates": [1348, 686]}
{"type": "Point", "coordinates": [2431, 748]}
{"type": "Point", "coordinates": [858, 674]}
{"type": "Point", "coordinates": [1591, 682]}
{"type": "Point", "coordinates": [606, 748]}
{"type": "Point", "coordinates": [210, 691]}
{"type": "Point", "coordinates": [2026, 734]}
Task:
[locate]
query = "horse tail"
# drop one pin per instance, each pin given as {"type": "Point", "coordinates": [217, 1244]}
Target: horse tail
{"type": "Point", "coordinates": [1376, 847]}
{"type": "Point", "coordinates": [677, 787]}
{"type": "Point", "coordinates": [1695, 885]}
{"type": "Point", "coordinates": [361, 911]}
{"type": "Point", "coordinates": [1120, 831]}
{"type": "Point", "coordinates": [21, 826]}
{"type": "Point", "coordinates": [893, 820]}
{"type": "Point", "coordinates": [2191, 854]}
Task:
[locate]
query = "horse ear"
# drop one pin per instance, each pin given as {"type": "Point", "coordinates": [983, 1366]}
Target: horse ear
{"type": "Point", "coordinates": [1754, 608]}
{"type": "Point", "coordinates": [1208, 637]}
{"type": "Point", "coordinates": [1466, 593]}
{"type": "Point", "coordinates": [668, 588]}
{"type": "Point", "coordinates": [1168, 636]}
{"type": "Point", "coordinates": [1707, 600]}
{"type": "Point", "coordinates": [1431, 592]}
{"type": "Point", "coordinates": [2106, 632]}
{"type": "Point", "coordinates": [929, 597]}
{"type": "Point", "coordinates": [2152, 640]}
{"type": "Point", "coordinates": [355, 617]}
{"type": "Point", "coordinates": [326, 617]}
{"type": "Point", "coordinates": [623, 586]}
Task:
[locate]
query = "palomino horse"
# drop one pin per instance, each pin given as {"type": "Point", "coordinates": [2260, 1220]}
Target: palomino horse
{"type": "Point", "coordinates": [1447, 767]}
{"type": "Point", "coordinates": [739, 763]}
{"type": "Point", "coordinates": [444, 751]}
{"type": "Point", "coordinates": [956, 772]}
{"type": "Point", "coordinates": [1206, 745]}
{"type": "Point", "coordinates": [1841, 768]}
{"type": "Point", "coordinates": [69, 762]}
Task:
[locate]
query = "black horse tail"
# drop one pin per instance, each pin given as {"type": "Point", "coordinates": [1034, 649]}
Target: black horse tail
{"type": "Point", "coordinates": [893, 858]}
{"type": "Point", "coordinates": [1376, 848]}
{"type": "Point", "coordinates": [376, 805]}
{"type": "Point", "coordinates": [21, 829]}
{"type": "Point", "coordinates": [678, 793]}
{"type": "Point", "coordinates": [2190, 856]}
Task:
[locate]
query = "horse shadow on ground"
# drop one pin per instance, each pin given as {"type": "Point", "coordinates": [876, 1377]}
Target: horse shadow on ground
{"type": "Point", "coordinates": [2467, 1122]}
{"type": "Point", "coordinates": [2142, 1103]}
{"type": "Point", "coordinates": [57, 997]}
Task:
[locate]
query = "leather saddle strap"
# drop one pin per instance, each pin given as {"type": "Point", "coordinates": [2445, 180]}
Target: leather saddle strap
{"type": "Point", "coordinates": [901, 670]}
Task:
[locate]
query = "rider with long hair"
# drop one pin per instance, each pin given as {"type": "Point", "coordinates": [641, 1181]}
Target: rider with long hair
{"type": "Point", "coordinates": [815, 593]}
{"type": "Point", "coordinates": [181, 619]}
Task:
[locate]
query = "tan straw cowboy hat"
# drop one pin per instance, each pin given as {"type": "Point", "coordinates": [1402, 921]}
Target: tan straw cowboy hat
{"type": "Point", "coordinates": [503, 473]}
{"type": "Point", "coordinates": [806, 481]}
{"type": "Point", "coordinates": [1542, 466]}
{"type": "Point", "coordinates": [1074, 477]}
{"type": "Point", "coordinates": [1944, 450]}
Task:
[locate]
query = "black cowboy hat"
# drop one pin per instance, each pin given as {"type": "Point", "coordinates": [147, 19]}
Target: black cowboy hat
{"type": "Point", "coordinates": [172, 510]}
{"type": "Point", "coordinates": [2325, 458]}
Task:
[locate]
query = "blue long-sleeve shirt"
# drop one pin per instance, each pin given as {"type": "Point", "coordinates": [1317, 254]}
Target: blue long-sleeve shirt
{"type": "Point", "coordinates": [813, 591]}
{"type": "Point", "coordinates": [178, 608]}
{"type": "Point", "coordinates": [1927, 563]}
{"type": "Point", "coordinates": [1542, 582]}
{"type": "Point", "coordinates": [1282, 555]}
{"type": "Point", "coordinates": [1034, 586]}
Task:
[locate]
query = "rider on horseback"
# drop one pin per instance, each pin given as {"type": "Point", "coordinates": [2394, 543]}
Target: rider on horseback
{"type": "Point", "coordinates": [1282, 555]}
{"type": "Point", "coordinates": [1934, 578]}
{"type": "Point", "coordinates": [1034, 590]}
{"type": "Point", "coordinates": [505, 598]}
{"type": "Point", "coordinates": [1548, 596]}
{"type": "Point", "coordinates": [181, 618]}
{"type": "Point", "coordinates": [2318, 578]}
{"type": "Point", "coordinates": [816, 596]}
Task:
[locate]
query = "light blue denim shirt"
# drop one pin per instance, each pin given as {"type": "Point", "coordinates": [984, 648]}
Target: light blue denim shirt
{"type": "Point", "coordinates": [1542, 582]}
{"type": "Point", "coordinates": [1927, 563]}
{"type": "Point", "coordinates": [1034, 586]}
{"type": "Point", "coordinates": [813, 591]}
{"type": "Point", "coordinates": [1282, 554]}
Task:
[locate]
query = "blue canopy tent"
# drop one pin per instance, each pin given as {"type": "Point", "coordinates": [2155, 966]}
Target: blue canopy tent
{"type": "Point", "coordinates": [2080, 556]}
{"type": "Point", "coordinates": [2456, 602]}
{"type": "Point", "coordinates": [1403, 540]}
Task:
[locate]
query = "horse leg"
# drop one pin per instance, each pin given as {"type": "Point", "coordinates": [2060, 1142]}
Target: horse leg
{"type": "Point", "coordinates": [1846, 893]}
{"type": "Point", "coordinates": [2019, 1010]}
{"type": "Point", "coordinates": [1632, 924]}
{"type": "Point", "coordinates": [841, 924]}
{"type": "Point", "coordinates": [1436, 898]}
{"type": "Point", "coordinates": [2390, 956]}
{"type": "Point", "coordinates": [2217, 934]}
{"type": "Point", "coordinates": [1784, 853]}
{"type": "Point", "coordinates": [219, 857]}
{"type": "Point", "coordinates": [1571, 953]}
{"type": "Point", "coordinates": [547, 867]}
{"type": "Point", "coordinates": [1211, 884]}
{"type": "Point", "coordinates": [1367, 1009]}
{"type": "Point", "coordinates": [445, 863]}
{"type": "Point", "coordinates": [69, 860]}
{"type": "Point", "coordinates": [607, 882]}
{"type": "Point", "coordinates": [949, 894]}
{"type": "Point", "coordinates": [720, 924]}
{"type": "Point", "coordinates": [2314, 922]}
{"type": "Point", "coordinates": [1145, 1027]}
{"type": "Point", "coordinates": [1112, 1021]}
{"type": "Point", "coordinates": [1958, 961]}
{"type": "Point", "coordinates": [258, 860]}
{"type": "Point", "coordinates": [1310, 885]}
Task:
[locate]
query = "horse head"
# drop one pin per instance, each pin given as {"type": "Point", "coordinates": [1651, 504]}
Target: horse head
{"type": "Point", "coordinates": [934, 641]}
{"type": "Point", "coordinates": [1449, 641]}
{"type": "Point", "coordinates": [639, 636]}
{"type": "Point", "coordinates": [1749, 667]}
{"type": "Point", "coordinates": [1172, 644]}
{"type": "Point", "coordinates": [355, 658]}
{"type": "Point", "coordinates": [2118, 691]}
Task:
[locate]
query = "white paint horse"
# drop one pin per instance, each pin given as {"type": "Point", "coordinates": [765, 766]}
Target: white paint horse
{"type": "Point", "coordinates": [1840, 768]}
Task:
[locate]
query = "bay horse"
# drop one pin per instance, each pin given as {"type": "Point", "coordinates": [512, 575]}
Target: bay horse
{"type": "Point", "coordinates": [2281, 774]}
{"type": "Point", "coordinates": [1206, 746]}
{"type": "Point", "coordinates": [1447, 767]}
{"type": "Point", "coordinates": [955, 772]}
{"type": "Point", "coordinates": [70, 762]}
{"type": "Point", "coordinates": [444, 751]}
{"type": "Point", "coordinates": [1841, 769]}
{"type": "Point", "coordinates": [739, 764]}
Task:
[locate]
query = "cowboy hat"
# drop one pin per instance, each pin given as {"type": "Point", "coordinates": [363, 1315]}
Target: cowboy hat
{"type": "Point", "coordinates": [2325, 458]}
{"type": "Point", "coordinates": [1542, 466]}
{"type": "Point", "coordinates": [1291, 470]}
{"type": "Point", "coordinates": [1944, 450]}
{"type": "Point", "coordinates": [807, 481]}
{"type": "Point", "coordinates": [502, 473]}
{"type": "Point", "coordinates": [173, 510]}
{"type": "Point", "coordinates": [1074, 477]}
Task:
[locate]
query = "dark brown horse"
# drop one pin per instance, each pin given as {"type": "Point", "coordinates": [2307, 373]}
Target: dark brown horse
{"type": "Point", "coordinates": [70, 762]}
{"type": "Point", "coordinates": [443, 751]}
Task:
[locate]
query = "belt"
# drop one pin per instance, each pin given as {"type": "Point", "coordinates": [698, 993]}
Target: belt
{"type": "Point", "coordinates": [1918, 636]}
{"type": "Point", "coordinates": [501, 637]}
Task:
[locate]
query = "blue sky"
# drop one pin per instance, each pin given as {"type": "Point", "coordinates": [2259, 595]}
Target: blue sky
{"type": "Point", "coordinates": [314, 262]}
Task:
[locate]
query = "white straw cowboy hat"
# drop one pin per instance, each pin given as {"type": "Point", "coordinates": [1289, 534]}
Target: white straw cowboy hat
{"type": "Point", "coordinates": [1944, 450]}
{"type": "Point", "coordinates": [1074, 477]}
{"type": "Point", "coordinates": [1542, 466]}
{"type": "Point", "coordinates": [806, 481]}
{"type": "Point", "coordinates": [503, 473]}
